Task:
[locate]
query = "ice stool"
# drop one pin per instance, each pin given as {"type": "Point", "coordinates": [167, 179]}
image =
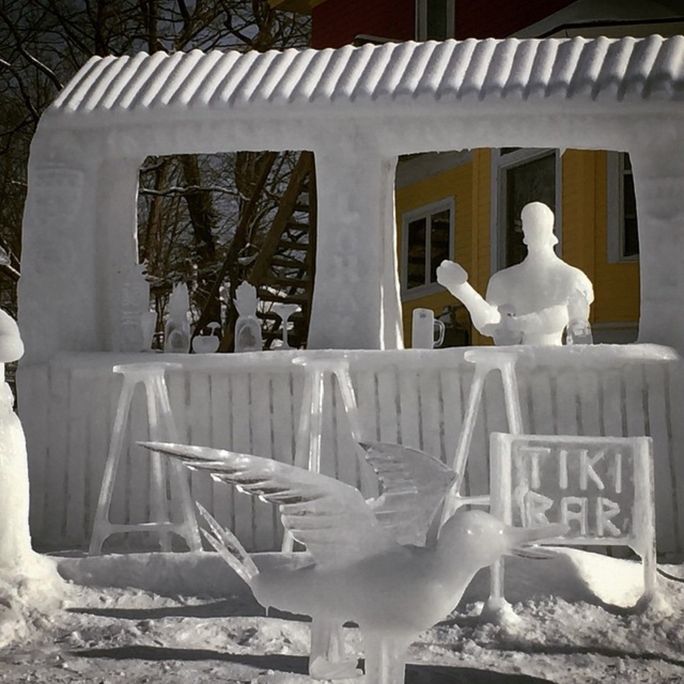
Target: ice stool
{"type": "Point", "coordinates": [161, 427]}
{"type": "Point", "coordinates": [310, 427]}
{"type": "Point", "coordinates": [486, 361]}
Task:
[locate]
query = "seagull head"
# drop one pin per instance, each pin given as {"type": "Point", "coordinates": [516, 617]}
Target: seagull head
{"type": "Point", "coordinates": [477, 539]}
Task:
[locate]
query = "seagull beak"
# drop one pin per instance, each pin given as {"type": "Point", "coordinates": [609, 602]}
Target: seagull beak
{"type": "Point", "coordinates": [520, 537]}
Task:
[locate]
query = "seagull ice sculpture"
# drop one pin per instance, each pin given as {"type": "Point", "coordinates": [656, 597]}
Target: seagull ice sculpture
{"type": "Point", "coordinates": [361, 567]}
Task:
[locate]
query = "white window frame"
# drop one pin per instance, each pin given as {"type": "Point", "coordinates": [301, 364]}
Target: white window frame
{"type": "Point", "coordinates": [421, 19]}
{"type": "Point", "coordinates": [501, 164]}
{"type": "Point", "coordinates": [615, 206]}
{"type": "Point", "coordinates": [425, 211]}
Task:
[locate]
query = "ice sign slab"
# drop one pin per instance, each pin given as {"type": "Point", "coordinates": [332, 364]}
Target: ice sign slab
{"type": "Point", "coordinates": [600, 487]}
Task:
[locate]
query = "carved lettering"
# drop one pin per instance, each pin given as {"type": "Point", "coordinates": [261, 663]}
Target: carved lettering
{"type": "Point", "coordinates": [605, 510]}
{"type": "Point", "coordinates": [578, 515]}
{"type": "Point", "coordinates": [587, 471]}
{"type": "Point", "coordinates": [533, 455]}
{"type": "Point", "coordinates": [536, 505]}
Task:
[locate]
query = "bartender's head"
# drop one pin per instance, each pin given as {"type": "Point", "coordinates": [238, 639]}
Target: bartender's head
{"type": "Point", "coordinates": [537, 225]}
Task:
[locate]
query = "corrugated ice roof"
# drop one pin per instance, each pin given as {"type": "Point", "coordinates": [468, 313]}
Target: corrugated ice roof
{"type": "Point", "coordinates": [534, 69]}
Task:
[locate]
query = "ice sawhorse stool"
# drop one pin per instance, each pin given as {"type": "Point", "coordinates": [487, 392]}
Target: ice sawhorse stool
{"type": "Point", "coordinates": [161, 428]}
{"type": "Point", "coordinates": [310, 427]}
{"type": "Point", "coordinates": [486, 361]}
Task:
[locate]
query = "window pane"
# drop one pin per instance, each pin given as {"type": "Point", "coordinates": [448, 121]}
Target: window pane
{"type": "Point", "coordinates": [437, 28]}
{"type": "Point", "coordinates": [415, 275]}
{"type": "Point", "coordinates": [630, 237]}
{"type": "Point", "coordinates": [439, 246]}
{"type": "Point", "coordinates": [533, 181]}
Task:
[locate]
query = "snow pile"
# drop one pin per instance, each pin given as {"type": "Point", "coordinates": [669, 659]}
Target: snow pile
{"type": "Point", "coordinates": [160, 628]}
{"type": "Point", "coordinates": [28, 595]}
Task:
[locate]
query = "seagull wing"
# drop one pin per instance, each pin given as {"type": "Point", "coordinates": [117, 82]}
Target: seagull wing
{"type": "Point", "coordinates": [329, 517]}
{"type": "Point", "coordinates": [413, 485]}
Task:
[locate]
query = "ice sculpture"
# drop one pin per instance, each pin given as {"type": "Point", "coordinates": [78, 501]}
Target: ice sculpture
{"type": "Point", "coordinates": [247, 326]}
{"type": "Point", "coordinates": [358, 568]}
{"type": "Point", "coordinates": [177, 329]}
{"type": "Point", "coordinates": [534, 301]}
{"type": "Point", "coordinates": [207, 343]}
{"type": "Point", "coordinates": [25, 576]}
{"type": "Point", "coordinates": [424, 325]}
{"type": "Point", "coordinates": [135, 314]}
{"type": "Point", "coordinates": [284, 311]}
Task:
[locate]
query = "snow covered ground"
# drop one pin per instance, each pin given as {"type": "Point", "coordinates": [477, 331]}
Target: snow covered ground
{"type": "Point", "coordinates": [183, 618]}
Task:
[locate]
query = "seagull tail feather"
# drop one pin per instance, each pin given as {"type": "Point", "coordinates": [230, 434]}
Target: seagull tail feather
{"type": "Point", "coordinates": [226, 544]}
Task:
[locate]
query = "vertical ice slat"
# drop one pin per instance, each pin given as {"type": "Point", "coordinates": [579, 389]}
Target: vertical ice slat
{"type": "Point", "coordinates": [177, 384]}
{"type": "Point", "coordinates": [658, 428]}
{"type": "Point", "coordinates": [611, 400]}
{"type": "Point", "coordinates": [260, 417]}
{"type": "Point", "coordinates": [674, 406]}
{"type": "Point", "coordinates": [100, 430]}
{"type": "Point", "coordinates": [409, 424]}
{"type": "Point", "coordinates": [199, 419]}
{"type": "Point", "coordinates": [77, 450]}
{"type": "Point", "coordinates": [330, 458]}
{"type": "Point", "coordinates": [365, 385]}
{"type": "Point", "coordinates": [346, 454]}
{"type": "Point", "coordinates": [634, 388]}
{"type": "Point", "coordinates": [139, 464]}
{"type": "Point", "coordinates": [477, 465]}
{"type": "Point", "coordinates": [567, 402]}
{"type": "Point", "coordinates": [388, 394]}
{"type": "Point", "coordinates": [429, 412]}
{"type": "Point", "coordinates": [35, 387]}
{"type": "Point", "coordinates": [242, 442]}
{"type": "Point", "coordinates": [590, 410]}
{"type": "Point", "coordinates": [452, 410]}
{"type": "Point", "coordinates": [221, 438]}
{"type": "Point", "coordinates": [117, 510]}
{"type": "Point", "coordinates": [282, 432]}
{"type": "Point", "coordinates": [543, 422]}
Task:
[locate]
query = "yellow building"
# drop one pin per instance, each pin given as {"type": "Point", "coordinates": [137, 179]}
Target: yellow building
{"type": "Point", "coordinates": [466, 206]}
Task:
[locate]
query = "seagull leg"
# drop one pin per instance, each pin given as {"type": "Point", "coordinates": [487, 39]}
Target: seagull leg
{"type": "Point", "coordinates": [385, 659]}
{"type": "Point", "coordinates": [327, 652]}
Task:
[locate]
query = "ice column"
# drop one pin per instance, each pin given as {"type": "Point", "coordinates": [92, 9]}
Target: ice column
{"type": "Point", "coordinates": [659, 186]}
{"type": "Point", "coordinates": [356, 294]}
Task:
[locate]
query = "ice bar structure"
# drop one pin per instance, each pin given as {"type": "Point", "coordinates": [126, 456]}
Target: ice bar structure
{"type": "Point", "coordinates": [357, 109]}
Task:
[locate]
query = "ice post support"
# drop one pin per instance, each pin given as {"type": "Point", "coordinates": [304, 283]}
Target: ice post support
{"type": "Point", "coordinates": [161, 427]}
{"type": "Point", "coordinates": [486, 361]}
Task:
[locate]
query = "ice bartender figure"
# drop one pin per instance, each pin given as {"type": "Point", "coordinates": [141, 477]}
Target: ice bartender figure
{"type": "Point", "coordinates": [534, 301]}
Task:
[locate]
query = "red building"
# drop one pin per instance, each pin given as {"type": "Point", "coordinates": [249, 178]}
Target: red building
{"type": "Point", "coordinates": [340, 22]}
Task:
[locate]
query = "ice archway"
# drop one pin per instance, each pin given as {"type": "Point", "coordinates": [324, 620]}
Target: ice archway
{"type": "Point", "coordinates": [357, 109]}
